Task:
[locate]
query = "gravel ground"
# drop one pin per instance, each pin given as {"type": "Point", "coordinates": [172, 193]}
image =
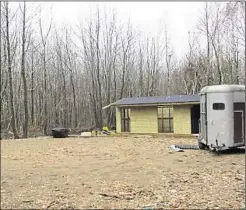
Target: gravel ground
{"type": "Point", "coordinates": [118, 172]}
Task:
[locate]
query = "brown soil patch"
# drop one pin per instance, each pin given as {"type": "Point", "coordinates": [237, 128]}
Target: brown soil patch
{"type": "Point", "coordinates": [117, 172]}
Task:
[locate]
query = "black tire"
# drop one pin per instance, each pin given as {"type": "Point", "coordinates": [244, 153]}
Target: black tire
{"type": "Point", "coordinates": [201, 146]}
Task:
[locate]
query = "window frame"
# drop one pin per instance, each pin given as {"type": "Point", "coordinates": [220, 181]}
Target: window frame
{"type": "Point", "coordinates": [162, 118]}
{"type": "Point", "coordinates": [219, 106]}
{"type": "Point", "coordinates": [125, 119]}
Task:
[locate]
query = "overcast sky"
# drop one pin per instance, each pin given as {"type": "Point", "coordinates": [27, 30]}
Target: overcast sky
{"type": "Point", "coordinates": [180, 17]}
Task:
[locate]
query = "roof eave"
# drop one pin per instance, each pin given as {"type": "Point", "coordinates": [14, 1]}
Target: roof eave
{"type": "Point", "coordinates": [159, 104]}
{"type": "Point", "coordinates": [105, 107]}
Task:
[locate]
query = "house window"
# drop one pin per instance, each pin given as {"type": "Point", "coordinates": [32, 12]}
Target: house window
{"type": "Point", "coordinates": [165, 119]}
{"type": "Point", "coordinates": [125, 120]}
{"type": "Point", "coordinates": [218, 106]}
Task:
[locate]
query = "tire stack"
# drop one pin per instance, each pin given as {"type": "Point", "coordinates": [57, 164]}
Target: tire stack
{"type": "Point", "coordinates": [60, 132]}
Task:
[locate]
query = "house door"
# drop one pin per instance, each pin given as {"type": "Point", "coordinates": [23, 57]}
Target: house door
{"type": "Point", "coordinates": [195, 116]}
{"type": "Point", "coordinates": [125, 120]}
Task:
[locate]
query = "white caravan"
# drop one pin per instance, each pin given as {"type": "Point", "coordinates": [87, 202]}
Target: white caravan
{"type": "Point", "coordinates": [222, 117]}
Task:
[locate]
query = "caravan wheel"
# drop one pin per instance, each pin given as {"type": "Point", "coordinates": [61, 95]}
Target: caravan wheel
{"type": "Point", "coordinates": [202, 146]}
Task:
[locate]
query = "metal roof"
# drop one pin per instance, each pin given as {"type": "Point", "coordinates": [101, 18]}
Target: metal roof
{"type": "Point", "coordinates": [158, 100]}
{"type": "Point", "coordinates": [222, 89]}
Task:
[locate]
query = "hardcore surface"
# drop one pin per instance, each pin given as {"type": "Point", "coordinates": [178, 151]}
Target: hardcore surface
{"type": "Point", "coordinates": [117, 172]}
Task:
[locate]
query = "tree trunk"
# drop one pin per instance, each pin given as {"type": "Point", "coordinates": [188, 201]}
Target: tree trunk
{"type": "Point", "coordinates": [0, 70]}
{"type": "Point", "coordinates": [44, 43]}
{"type": "Point", "coordinates": [98, 74]}
{"type": "Point", "coordinates": [32, 88]}
{"type": "Point", "coordinates": [209, 76]}
{"type": "Point", "coordinates": [218, 63]}
{"type": "Point", "coordinates": [141, 73]}
{"type": "Point", "coordinates": [23, 74]}
{"type": "Point", "coordinates": [13, 119]}
{"type": "Point", "coordinates": [45, 123]}
{"type": "Point", "coordinates": [168, 58]}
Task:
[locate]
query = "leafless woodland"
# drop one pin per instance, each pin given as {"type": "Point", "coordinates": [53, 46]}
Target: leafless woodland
{"type": "Point", "coordinates": [53, 77]}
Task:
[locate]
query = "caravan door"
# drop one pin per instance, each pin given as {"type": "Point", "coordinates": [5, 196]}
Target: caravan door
{"type": "Point", "coordinates": [203, 116]}
{"type": "Point", "coordinates": [239, 125]}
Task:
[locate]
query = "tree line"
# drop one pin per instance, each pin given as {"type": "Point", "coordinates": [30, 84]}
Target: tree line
{"type": "Point", "coordinates": [52, 77]}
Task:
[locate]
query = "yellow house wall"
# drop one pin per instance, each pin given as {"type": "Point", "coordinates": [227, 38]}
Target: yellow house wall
{"type": "Point", "coordinates": [144, 120]}
{"type": "Point", "coordinates": [182, 119]}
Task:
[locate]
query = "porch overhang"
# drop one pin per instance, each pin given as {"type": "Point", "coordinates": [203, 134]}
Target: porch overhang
{"type": "Point", "coordinates": [148, 105]}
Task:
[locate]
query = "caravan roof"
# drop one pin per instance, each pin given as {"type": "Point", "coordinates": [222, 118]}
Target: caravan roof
{"type": "Point", "coordinates": [222, 89]}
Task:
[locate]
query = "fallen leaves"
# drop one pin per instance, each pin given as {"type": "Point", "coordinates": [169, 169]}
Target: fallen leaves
{"type": "Point", "coordinates": [130, 172]}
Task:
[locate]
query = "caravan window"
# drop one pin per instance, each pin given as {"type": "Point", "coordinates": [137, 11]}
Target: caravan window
{"type": "Point", "coordinates": [218, 106]}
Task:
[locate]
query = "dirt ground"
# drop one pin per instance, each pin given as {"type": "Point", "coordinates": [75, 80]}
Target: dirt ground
{"type": "Point", "coordinates": [118, 172]}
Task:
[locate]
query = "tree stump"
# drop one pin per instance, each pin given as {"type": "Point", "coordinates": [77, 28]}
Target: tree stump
{"type": "Point", "coordinates": [60, 132]}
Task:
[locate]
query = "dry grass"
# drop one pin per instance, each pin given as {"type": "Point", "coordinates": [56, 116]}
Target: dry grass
{"type": "Point", "coordinates": [117, 172]}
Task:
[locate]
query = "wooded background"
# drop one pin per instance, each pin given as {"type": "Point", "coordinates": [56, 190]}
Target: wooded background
{"type": "Point", "coordinates": [52, 77]}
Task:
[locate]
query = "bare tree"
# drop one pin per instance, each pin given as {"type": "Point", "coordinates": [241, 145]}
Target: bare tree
{"type": "Point", "coordinates": [190, 68]}
{"type": "Point", "coordinates": [168, 60]}
{"type": "Point", "coordinates": [204, 27]}
{"type": "Point", "coordinates": [141, 82]}
{"type": "Point", "coordinates": [98, 27]}
{"type": "Point", "coordinates": [70, 67]}
{"type": "Point", "coordinates": [109, 55]}
{"type": "Point", "coordinates": [1, 70]}
{"type": "Point", "coordinates": [127, 43]}
{"type": "Point", "coordinates": [44, 44]}
{"type": "Point", "coordinates": [23, 73]}
{"type": "Point", "coordinates": [13, 119]}
{"type": "Point", "coordinates": [32, 85]}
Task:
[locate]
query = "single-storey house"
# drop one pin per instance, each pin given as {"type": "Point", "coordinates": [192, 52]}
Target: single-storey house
{"type": "Point", "coordinates": [173, 114]}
